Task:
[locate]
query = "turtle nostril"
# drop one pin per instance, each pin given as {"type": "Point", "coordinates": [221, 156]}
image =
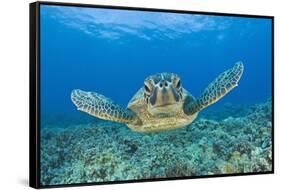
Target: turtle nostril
{"type": "Point", "coordinates": [163, 83]}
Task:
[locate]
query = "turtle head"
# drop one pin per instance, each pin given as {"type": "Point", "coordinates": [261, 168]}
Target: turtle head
{"type": "Point", "coordinates": [163, 93]}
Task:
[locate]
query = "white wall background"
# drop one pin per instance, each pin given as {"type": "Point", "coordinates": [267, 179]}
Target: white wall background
{"type": "Point", "coordinates": [14, 93]}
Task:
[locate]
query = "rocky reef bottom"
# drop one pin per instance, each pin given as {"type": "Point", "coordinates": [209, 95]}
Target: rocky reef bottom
{"type": "Point", "coordinates": [107, 151]}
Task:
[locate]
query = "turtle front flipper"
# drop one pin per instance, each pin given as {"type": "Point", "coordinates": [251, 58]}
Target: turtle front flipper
{"type": "Point", "coordinates": [223, 84]}
{"type": "Point", "coordinates": [102, 107]}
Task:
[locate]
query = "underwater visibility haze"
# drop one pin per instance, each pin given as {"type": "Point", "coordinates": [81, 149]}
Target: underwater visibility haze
{"type": "Point", "coordinates": [112, 53]}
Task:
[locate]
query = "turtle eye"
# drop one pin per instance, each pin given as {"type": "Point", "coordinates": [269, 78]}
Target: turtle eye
{"type": "Point", "coordinates": [178, 84]}
{"type": "Point", "coordinates": [146, 88]}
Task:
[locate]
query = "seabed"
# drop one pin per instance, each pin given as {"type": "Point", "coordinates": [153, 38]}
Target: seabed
{"type": "Point", "coordinates": [105, 151]}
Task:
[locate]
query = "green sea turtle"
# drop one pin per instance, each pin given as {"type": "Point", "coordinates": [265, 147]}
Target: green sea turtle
{"type": "Point", "coordinates": [161, 104]}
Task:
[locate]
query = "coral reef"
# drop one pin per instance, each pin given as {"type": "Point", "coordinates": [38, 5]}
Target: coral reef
{"type": "Point", "coordinates": [220, 112]}
{"type": "Point", "coordinates": [107, 151]}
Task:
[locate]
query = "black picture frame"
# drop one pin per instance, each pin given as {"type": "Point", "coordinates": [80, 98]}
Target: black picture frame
{"type": "Point", "coordinates": [34, 91]}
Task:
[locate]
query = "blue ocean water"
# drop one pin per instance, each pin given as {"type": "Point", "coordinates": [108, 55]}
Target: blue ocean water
{"type": "Point", "coordinates": [82, 48]}
{"type": "Point", "coordinates": [112, 51]}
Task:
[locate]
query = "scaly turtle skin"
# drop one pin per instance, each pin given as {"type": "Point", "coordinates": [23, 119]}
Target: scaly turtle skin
{"type": "Point", "coordinates": [162, 103]}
